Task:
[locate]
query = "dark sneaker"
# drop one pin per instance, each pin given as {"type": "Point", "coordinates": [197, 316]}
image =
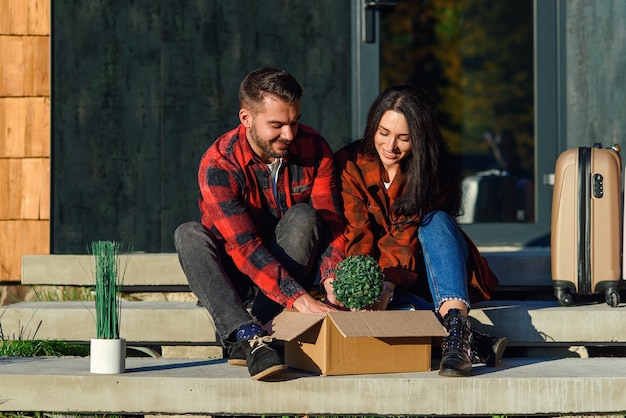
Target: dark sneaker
{"type": "Point", "coordinates": [237, 356]}
{"type": "Point", "coordinates": [261, 359]}
{"type": "Point", "coordinates": [487, 349]}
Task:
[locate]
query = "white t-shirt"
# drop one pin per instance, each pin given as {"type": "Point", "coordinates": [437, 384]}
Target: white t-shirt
{"type": "Point", "coordinates": [274, 167]}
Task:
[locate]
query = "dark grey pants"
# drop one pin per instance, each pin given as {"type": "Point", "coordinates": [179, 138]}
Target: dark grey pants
{"type": "Point", "coordinates": [224, 290]}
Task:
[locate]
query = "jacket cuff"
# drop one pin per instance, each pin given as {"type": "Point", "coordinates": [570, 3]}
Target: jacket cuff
{"type": "Point", "coordinates": [292, 299]}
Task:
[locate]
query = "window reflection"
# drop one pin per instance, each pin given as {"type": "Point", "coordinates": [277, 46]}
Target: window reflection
{"type": "Point", "coordinates": [475, 57]}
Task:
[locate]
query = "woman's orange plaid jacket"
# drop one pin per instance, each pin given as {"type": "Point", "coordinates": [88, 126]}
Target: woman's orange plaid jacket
{"type": "Point", "coordinates": [371, 228]}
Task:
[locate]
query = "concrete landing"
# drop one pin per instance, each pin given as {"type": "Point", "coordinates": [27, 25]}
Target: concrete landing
{"type": "Point", "coordinates": [525, 323]}
{"type": "Point", "coordinates": [169, 386]}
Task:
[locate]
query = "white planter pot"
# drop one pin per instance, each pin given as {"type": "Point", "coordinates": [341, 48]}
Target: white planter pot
{"type": "Point", "coordinates": [108, 356]}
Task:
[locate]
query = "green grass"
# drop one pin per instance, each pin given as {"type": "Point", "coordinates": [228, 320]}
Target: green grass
{"type": "Point", "coordinates": [38, 348]}
{"type": "Point", "coordinates": [26, 345]}
{"type": "Point", "coordinates": [60, 415]}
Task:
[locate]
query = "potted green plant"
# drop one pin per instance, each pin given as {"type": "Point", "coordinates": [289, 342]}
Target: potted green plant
{"type": "Point", "coordinates": [107, 350]}
{"type": "Point", "coordinates": [359, 281]}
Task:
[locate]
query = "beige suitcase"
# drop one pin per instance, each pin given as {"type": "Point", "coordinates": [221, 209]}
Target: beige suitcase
{"type": "Point", "coordinates": [586, 240]}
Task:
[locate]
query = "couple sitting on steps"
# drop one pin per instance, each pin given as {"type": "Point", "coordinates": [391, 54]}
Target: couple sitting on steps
{"type": "Point", "coordinates": [272, 202]}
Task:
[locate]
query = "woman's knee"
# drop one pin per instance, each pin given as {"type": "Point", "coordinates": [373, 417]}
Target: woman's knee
{"type": "Point", "coordinates": [441, 228]}
{"type": "Point", "coordinates": [438, 218]}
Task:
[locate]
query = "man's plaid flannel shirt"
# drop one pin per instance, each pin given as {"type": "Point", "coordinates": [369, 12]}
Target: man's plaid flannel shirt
{"type": "Point", "coordinates": [237, 204]}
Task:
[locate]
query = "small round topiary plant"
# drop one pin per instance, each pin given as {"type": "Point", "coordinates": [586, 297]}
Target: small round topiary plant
{"type": "Point", "coordinates": [358, 282]}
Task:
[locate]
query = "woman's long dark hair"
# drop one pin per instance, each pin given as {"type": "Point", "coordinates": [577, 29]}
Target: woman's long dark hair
{"type": "Point", "coordinates": [433, 181]}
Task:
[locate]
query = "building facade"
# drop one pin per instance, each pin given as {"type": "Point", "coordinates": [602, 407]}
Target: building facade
{"type": "Point", "coordinates": [107, 106]}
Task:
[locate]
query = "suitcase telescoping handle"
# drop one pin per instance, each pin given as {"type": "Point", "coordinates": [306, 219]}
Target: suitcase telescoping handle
{"type": "Point", "coordinates": [615, 147]}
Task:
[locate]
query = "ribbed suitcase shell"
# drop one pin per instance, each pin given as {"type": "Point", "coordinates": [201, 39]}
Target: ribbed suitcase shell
{"type": "Point", "coordinates": [586, 235]}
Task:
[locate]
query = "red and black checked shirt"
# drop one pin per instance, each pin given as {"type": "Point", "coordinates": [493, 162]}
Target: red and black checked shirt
{"type": "Point", "coordinates": [237, 203]}
{"type": "Point", "coordinates": [371, 228]}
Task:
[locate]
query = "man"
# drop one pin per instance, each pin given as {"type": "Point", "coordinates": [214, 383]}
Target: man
{"type": "Point", "coordinates": [270, 219]}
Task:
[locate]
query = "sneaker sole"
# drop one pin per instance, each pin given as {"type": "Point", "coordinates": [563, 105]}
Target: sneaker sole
{"type": "Point", "coordinates": [269, 371]}
{"type": "Point", "coordinates": [237, 362]}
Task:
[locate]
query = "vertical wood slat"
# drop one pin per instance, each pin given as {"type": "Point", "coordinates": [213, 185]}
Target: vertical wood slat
{"type": "Point", "coordinates": [25, 17]}
{"type": "Point", "coordinates": [38, 17]}
{"type": "Point", "coordinates": [24, 127]}
{"type": "Point", "coordinates": [25, 69]}
{"type": "Point", "coordinates": [18, 238]}
{"type": "Point", "coordinates": [25, 189]}
{"type": "Point", "coordinates": [24, 133]}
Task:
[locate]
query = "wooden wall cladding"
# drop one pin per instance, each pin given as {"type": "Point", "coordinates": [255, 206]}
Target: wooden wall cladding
{"type": "Point", "coordinates": [25, 17]}
{"type": "Point", "coordinates": [24, 127]}
{"type": "Point", "coordinates": [25, 69]}
{"type": "Point", "coordinates": [18, 238]}
{"type": "Point", "coordinates": [26, 194]}
{"type": "Point", "coordinates": [24, 133]}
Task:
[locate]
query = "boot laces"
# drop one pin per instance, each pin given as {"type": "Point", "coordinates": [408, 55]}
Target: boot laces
{"type": "Point", "coordinates": [257, 342]}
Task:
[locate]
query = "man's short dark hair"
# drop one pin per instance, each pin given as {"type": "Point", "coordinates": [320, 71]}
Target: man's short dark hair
{"type": "Point", "coordinates": [263, 81]}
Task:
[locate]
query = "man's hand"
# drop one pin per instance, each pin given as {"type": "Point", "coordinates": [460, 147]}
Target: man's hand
{"type": "Point", "coordinates": [308, 304]}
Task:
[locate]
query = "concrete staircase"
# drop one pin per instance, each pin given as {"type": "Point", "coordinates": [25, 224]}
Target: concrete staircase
{"type": "Point", "coordinates": [559, 360]}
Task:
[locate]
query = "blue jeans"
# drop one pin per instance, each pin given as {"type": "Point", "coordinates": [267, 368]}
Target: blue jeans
{"type": "Point", "coordinates": [445, 254]}
{"type": "Point", "coordinates": [224, 290]}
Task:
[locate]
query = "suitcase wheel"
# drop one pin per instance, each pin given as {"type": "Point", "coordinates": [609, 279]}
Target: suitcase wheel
{"type": "Point", "coordinates": [564, 297]}
{"type": "Point", "coordinates": [612, 297]}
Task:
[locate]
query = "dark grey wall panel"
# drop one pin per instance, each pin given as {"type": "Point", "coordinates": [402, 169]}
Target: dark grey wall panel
{"type": "Point", "coordinates": [106, 154]}
{"type": "Point", "coordinates": [142, 88]}
{"type": "Point", "coordinates": [595, 76]}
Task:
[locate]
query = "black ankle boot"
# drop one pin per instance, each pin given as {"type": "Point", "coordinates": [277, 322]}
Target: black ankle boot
{"type": "Point", "coordinates": [487, 349]}
{"type": "Point", "coordinates": [456, 354]}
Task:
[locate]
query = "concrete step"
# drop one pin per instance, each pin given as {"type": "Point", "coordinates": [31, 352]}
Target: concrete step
{"type": "Point", "coordinates": [162, 269]}
{"type": "Point", "coordinates": [590, 386]}
{"type": "Point", "coordinates": [524, 323]}
{"type": "Point", "coordinates": [150, 323]}
{"type": "Point", "coordinates": [528, 267]}
{"type": "Point", "coordinates": [540, 323]}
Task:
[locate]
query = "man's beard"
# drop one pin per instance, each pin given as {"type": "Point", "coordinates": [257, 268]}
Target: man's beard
{"type": "Point", "coordinates": [266, 146]}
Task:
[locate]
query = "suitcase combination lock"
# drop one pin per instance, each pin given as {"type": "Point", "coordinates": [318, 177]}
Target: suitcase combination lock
{"type": "Point", "coordinates": [598, 185]}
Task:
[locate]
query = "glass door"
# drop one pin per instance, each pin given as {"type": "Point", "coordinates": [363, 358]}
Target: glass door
{"type": "Point", "coordinates": [481, 63]}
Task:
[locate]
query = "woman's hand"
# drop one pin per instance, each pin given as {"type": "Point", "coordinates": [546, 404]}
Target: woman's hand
{"type": "Point", "coordinates": [384, 298]}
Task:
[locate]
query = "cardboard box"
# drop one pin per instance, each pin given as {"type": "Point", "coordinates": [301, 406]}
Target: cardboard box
{"type": "Point", "coordinates": [358, 342]}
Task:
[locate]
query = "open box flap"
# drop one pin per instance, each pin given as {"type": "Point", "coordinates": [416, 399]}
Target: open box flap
{"type": "Point", "coordinates": [288, 325]}
{"type": "Point", "coordinates": [382, 324]}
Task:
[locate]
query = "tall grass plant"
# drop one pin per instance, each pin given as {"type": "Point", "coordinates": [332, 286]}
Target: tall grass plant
{"type": "Point", "coordinates": [109, 277]}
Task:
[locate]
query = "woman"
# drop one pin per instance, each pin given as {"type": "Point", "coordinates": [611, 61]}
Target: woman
{"type": "Point", "coordinates": [401, 193]}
